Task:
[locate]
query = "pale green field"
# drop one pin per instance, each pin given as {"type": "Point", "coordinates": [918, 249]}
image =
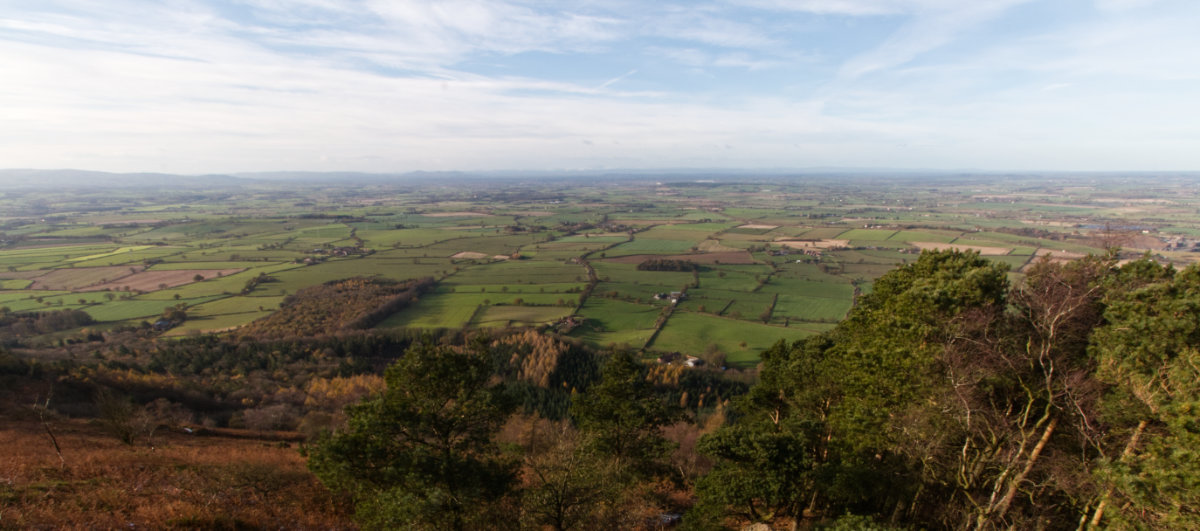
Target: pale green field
{"type": "Point", "coordinates": [648, 246]}
{"type": "Point", "coordinates": [121, 310]}
{"type": "Point", "coordinates": [504, 316]}
{"type": "Point", "coordinates": [449, 310]}
{"type": "Point", "coordinates": [692, 332]}
{"type": "Point", "coordinates": [616, 322]}
{"type": "Point", "coordinates": [214, 323]}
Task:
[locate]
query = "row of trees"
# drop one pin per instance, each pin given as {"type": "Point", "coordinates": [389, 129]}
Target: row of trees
{"type": "Point", "coordinates": [668, 264]}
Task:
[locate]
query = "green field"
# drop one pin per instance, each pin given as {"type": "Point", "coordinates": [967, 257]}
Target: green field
{"type": "Point", "coordinates": [237, 304]}
{"type": "Point", "coordinates": [649, 246]}
{"type": "Point", "coordinates": [214, 323]}
{"type": "Point", "coordinates": [804, 308]}
{"type": "Point", "coordinates": [692, 332]}
{"type": "Point", "coordinates": [120, 310]}
{"type": "Point", "coordinates": [616, 322]}
{"type": "Point", "coordinates": [922, 236]}
{"type": "Point", "coordinates": [505, 316]}
{"type": "Point", "coordinates": [449, 310]}
{"type": "Point", "coordinates": [521, 272]}
{"type": "Point", "coordinates": [829, 289]}
{"type": "Point", "coordinates": [15, 284]}
{"type": "Point", "coordinates": [866, 235]}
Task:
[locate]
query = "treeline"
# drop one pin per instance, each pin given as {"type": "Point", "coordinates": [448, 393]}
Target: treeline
{"type": "Point", "coordinates": [214, 355]}
{"type": "Point", "coordinates": [333, 307]}
{"type": "Point", "coordinates": [949, 399]}
{"type": "Point", "coordinates": [668, 264]}
{"type": "Point", "coordinates": [14, 326]}
{"type": "Point", "coordinates": [243, 381]}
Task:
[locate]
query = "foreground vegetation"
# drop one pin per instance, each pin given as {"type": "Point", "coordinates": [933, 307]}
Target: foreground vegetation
{"type": "Point", "coordinates": [950, 399]}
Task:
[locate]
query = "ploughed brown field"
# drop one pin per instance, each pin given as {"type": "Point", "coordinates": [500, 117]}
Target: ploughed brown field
{"type": "Point", "coordinates": [152, 280]}
{"type": "Point", "coordinates": [119, 278]}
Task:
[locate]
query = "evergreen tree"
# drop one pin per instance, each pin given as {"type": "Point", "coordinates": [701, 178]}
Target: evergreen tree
{"type": "Point", "coordinates": [622, 416]}
{"type": "Point", "coordinates": [1147, 352]}
{"type": "Point", "coordinates": [768, 461]}
{"type": "Point", "coordinates": [421, 455]}
{"type": "Point", "coordinates": [842, 421]}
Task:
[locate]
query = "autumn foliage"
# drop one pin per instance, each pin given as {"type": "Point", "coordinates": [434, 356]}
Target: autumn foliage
{"type": "Point", "coordinates": [333, 307]}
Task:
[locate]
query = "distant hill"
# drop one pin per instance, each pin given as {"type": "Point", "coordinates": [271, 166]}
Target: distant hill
{"type": "Point", "coordinates": [30, 179]}
{"type": "Point", "coordinates": [82, 179]}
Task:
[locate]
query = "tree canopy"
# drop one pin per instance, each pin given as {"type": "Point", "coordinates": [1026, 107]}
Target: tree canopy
{"type": "Point", "coordinates": [422, 454]}
{"type": "Point", "coordinates": [950, 399]}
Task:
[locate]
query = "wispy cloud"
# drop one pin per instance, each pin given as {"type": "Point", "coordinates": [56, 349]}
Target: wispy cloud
{"type": "Point", "coordinates": [606, 84]}
{"type": "Point", "coordinates": [198, 86]}
{"type": "Point", "coordinates": [931, 27]}
{"type": "Point", "coordinates": [836, 7]}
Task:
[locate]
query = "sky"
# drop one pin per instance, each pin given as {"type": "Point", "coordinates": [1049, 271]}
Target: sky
{"type": "Point", "coordinates": [221, 86]}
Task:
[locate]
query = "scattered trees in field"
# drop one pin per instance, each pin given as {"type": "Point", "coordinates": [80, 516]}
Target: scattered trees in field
{"type": "Point", "coordinates": [175, 314]}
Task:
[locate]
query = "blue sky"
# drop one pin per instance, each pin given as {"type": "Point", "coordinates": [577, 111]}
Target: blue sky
{"type": "Point", "coordinates": [196, 86]}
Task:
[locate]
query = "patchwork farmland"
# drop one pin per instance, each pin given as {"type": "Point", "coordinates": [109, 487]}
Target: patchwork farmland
{"type": "Point", "coordinates": [747, 264]}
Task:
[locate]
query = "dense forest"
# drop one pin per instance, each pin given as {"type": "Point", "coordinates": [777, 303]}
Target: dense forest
{"type": "Point", "coordinates": [950, 398]}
